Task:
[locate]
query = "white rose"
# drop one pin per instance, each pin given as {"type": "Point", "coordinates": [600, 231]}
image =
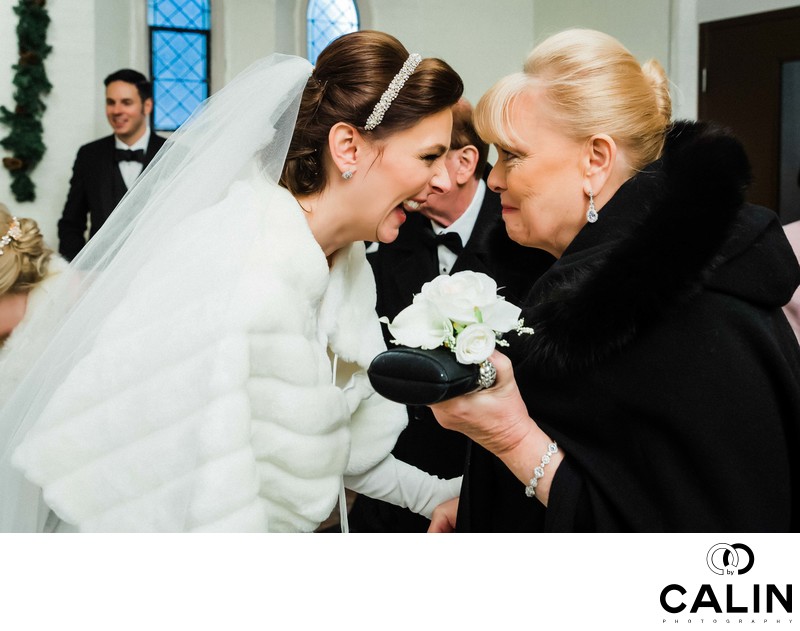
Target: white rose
{"type": "Point", "coordinates": [420, 325]}
{"type": "Point", "coordinates": [502, 316]}
{"type": "Point", "coordinates": [474, 344]}
{"type": "Point", "coordinates": [458, 296]}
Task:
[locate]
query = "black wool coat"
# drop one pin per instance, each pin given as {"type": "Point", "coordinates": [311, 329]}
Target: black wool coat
{"type": "Point", "coordinates": [661, 362]}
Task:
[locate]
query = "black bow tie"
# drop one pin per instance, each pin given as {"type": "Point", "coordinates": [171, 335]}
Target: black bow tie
{"type": "Point", "coordinates": [450, 240]}
{"type": "Point", "coordinates": [128, 155]}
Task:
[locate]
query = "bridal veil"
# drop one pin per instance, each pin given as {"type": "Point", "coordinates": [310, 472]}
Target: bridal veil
{"type": "Point", "coordinates": [246, 126]}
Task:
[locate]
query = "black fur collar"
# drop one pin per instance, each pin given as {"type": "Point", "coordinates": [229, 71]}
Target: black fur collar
{"type": "Point", "coordinates": [648, 248]}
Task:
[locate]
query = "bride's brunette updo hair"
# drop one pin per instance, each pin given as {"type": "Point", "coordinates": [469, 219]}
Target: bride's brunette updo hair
{"type": "Point", "coordinates": [350, 76]}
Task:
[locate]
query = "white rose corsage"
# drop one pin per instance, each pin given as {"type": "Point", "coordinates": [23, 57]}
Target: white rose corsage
{"type": "Point", "coordinates": [462, 313]}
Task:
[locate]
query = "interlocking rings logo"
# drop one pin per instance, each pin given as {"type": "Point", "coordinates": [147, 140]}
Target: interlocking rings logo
{"type": "Point", "coordinates": [721, 563]}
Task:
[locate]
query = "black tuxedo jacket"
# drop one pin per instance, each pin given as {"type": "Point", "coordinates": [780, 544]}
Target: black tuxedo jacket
{"type": "Point", "coordinates": [95, 190]}
{"type": "Point", "coordinates": [401, 268]}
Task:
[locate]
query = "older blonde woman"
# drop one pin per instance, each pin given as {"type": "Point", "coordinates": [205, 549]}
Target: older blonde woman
{"type": "Point", "coordinates": [661, 390]}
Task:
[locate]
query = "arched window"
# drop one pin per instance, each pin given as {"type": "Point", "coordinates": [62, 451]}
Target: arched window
{"type": "Point", "coordinates": [326, 20]}
{"type": "Point", "coordinates": [179, 53]}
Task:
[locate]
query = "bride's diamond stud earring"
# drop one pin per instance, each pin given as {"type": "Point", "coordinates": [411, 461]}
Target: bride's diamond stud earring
{"type": "Point", "coordinates": [347, 175]}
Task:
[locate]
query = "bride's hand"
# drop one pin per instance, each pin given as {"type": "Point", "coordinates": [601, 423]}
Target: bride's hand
{"type": "Point", "coordinates": [495, 418]}
{"type": "Point", "coordinates": [444, 516]}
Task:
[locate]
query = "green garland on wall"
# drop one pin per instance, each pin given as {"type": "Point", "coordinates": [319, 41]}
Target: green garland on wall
{"type": "Point", "coordinates": [30, 80]}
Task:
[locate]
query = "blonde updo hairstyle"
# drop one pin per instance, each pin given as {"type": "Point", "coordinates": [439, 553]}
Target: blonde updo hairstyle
{"type": "Point", "coordinates": [590, 84]}
{"type": "Point", "coordinates": [23, 263]}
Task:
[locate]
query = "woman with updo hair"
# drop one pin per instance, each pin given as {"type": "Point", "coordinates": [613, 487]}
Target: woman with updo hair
{"type": "Point", "coordinates": [25, 263]}
{"type": "Point", "coordinates": [346, 83]}
{"type": "Point", "coordinates": [211, 375]}
{"type": "Point", "coordinates": [660, 390]}
{"type": "Point", "coordinates": [28, 269]}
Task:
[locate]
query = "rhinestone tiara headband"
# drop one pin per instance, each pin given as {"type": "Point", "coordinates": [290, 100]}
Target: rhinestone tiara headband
{"type": "Point", "coordinates": [392, 91]}
{"type": "Point", "coordinates": [14, 232]}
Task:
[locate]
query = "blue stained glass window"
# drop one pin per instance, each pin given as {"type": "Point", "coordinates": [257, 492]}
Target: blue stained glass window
{"type": "Point", "coordinates": [326, 20]}
{"type": "Point", "coordinates": [179, 46]}
{"type": "Point", "coordinates": [179, 14]}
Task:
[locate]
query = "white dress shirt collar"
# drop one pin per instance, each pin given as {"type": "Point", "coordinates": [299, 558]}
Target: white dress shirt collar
{"type": "Point", "coordinates": [131, 170]}
{"type": "Point", "coordinates": [463, 226]}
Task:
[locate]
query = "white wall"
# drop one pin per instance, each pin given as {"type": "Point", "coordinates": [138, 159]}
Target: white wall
{"type": "Point", "coordinates": [246, 30]}
{"type": "Point", "coordinates": [642, 26]}
{"type": "Point", "coordinates": [482, 40]}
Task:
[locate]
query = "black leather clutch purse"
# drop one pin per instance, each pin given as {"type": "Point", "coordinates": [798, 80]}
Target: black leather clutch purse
{"type": "Point", "coordinates": [416, 376]}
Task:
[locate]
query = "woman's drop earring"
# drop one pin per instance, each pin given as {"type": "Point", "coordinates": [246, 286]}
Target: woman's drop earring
{"type": "Point", "coordinates": [347, 175]}
{"type": "Point", "coordinates": [591, 214]}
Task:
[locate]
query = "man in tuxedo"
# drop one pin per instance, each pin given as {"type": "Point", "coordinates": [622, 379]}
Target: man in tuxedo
{"type": "Point", "coordinates": [461, 229]}
{"type": "Point", "coordinates": [105, 169]}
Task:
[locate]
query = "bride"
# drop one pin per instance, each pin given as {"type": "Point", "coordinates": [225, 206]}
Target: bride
{"type": "Point", "coordinates": [209, 374]}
